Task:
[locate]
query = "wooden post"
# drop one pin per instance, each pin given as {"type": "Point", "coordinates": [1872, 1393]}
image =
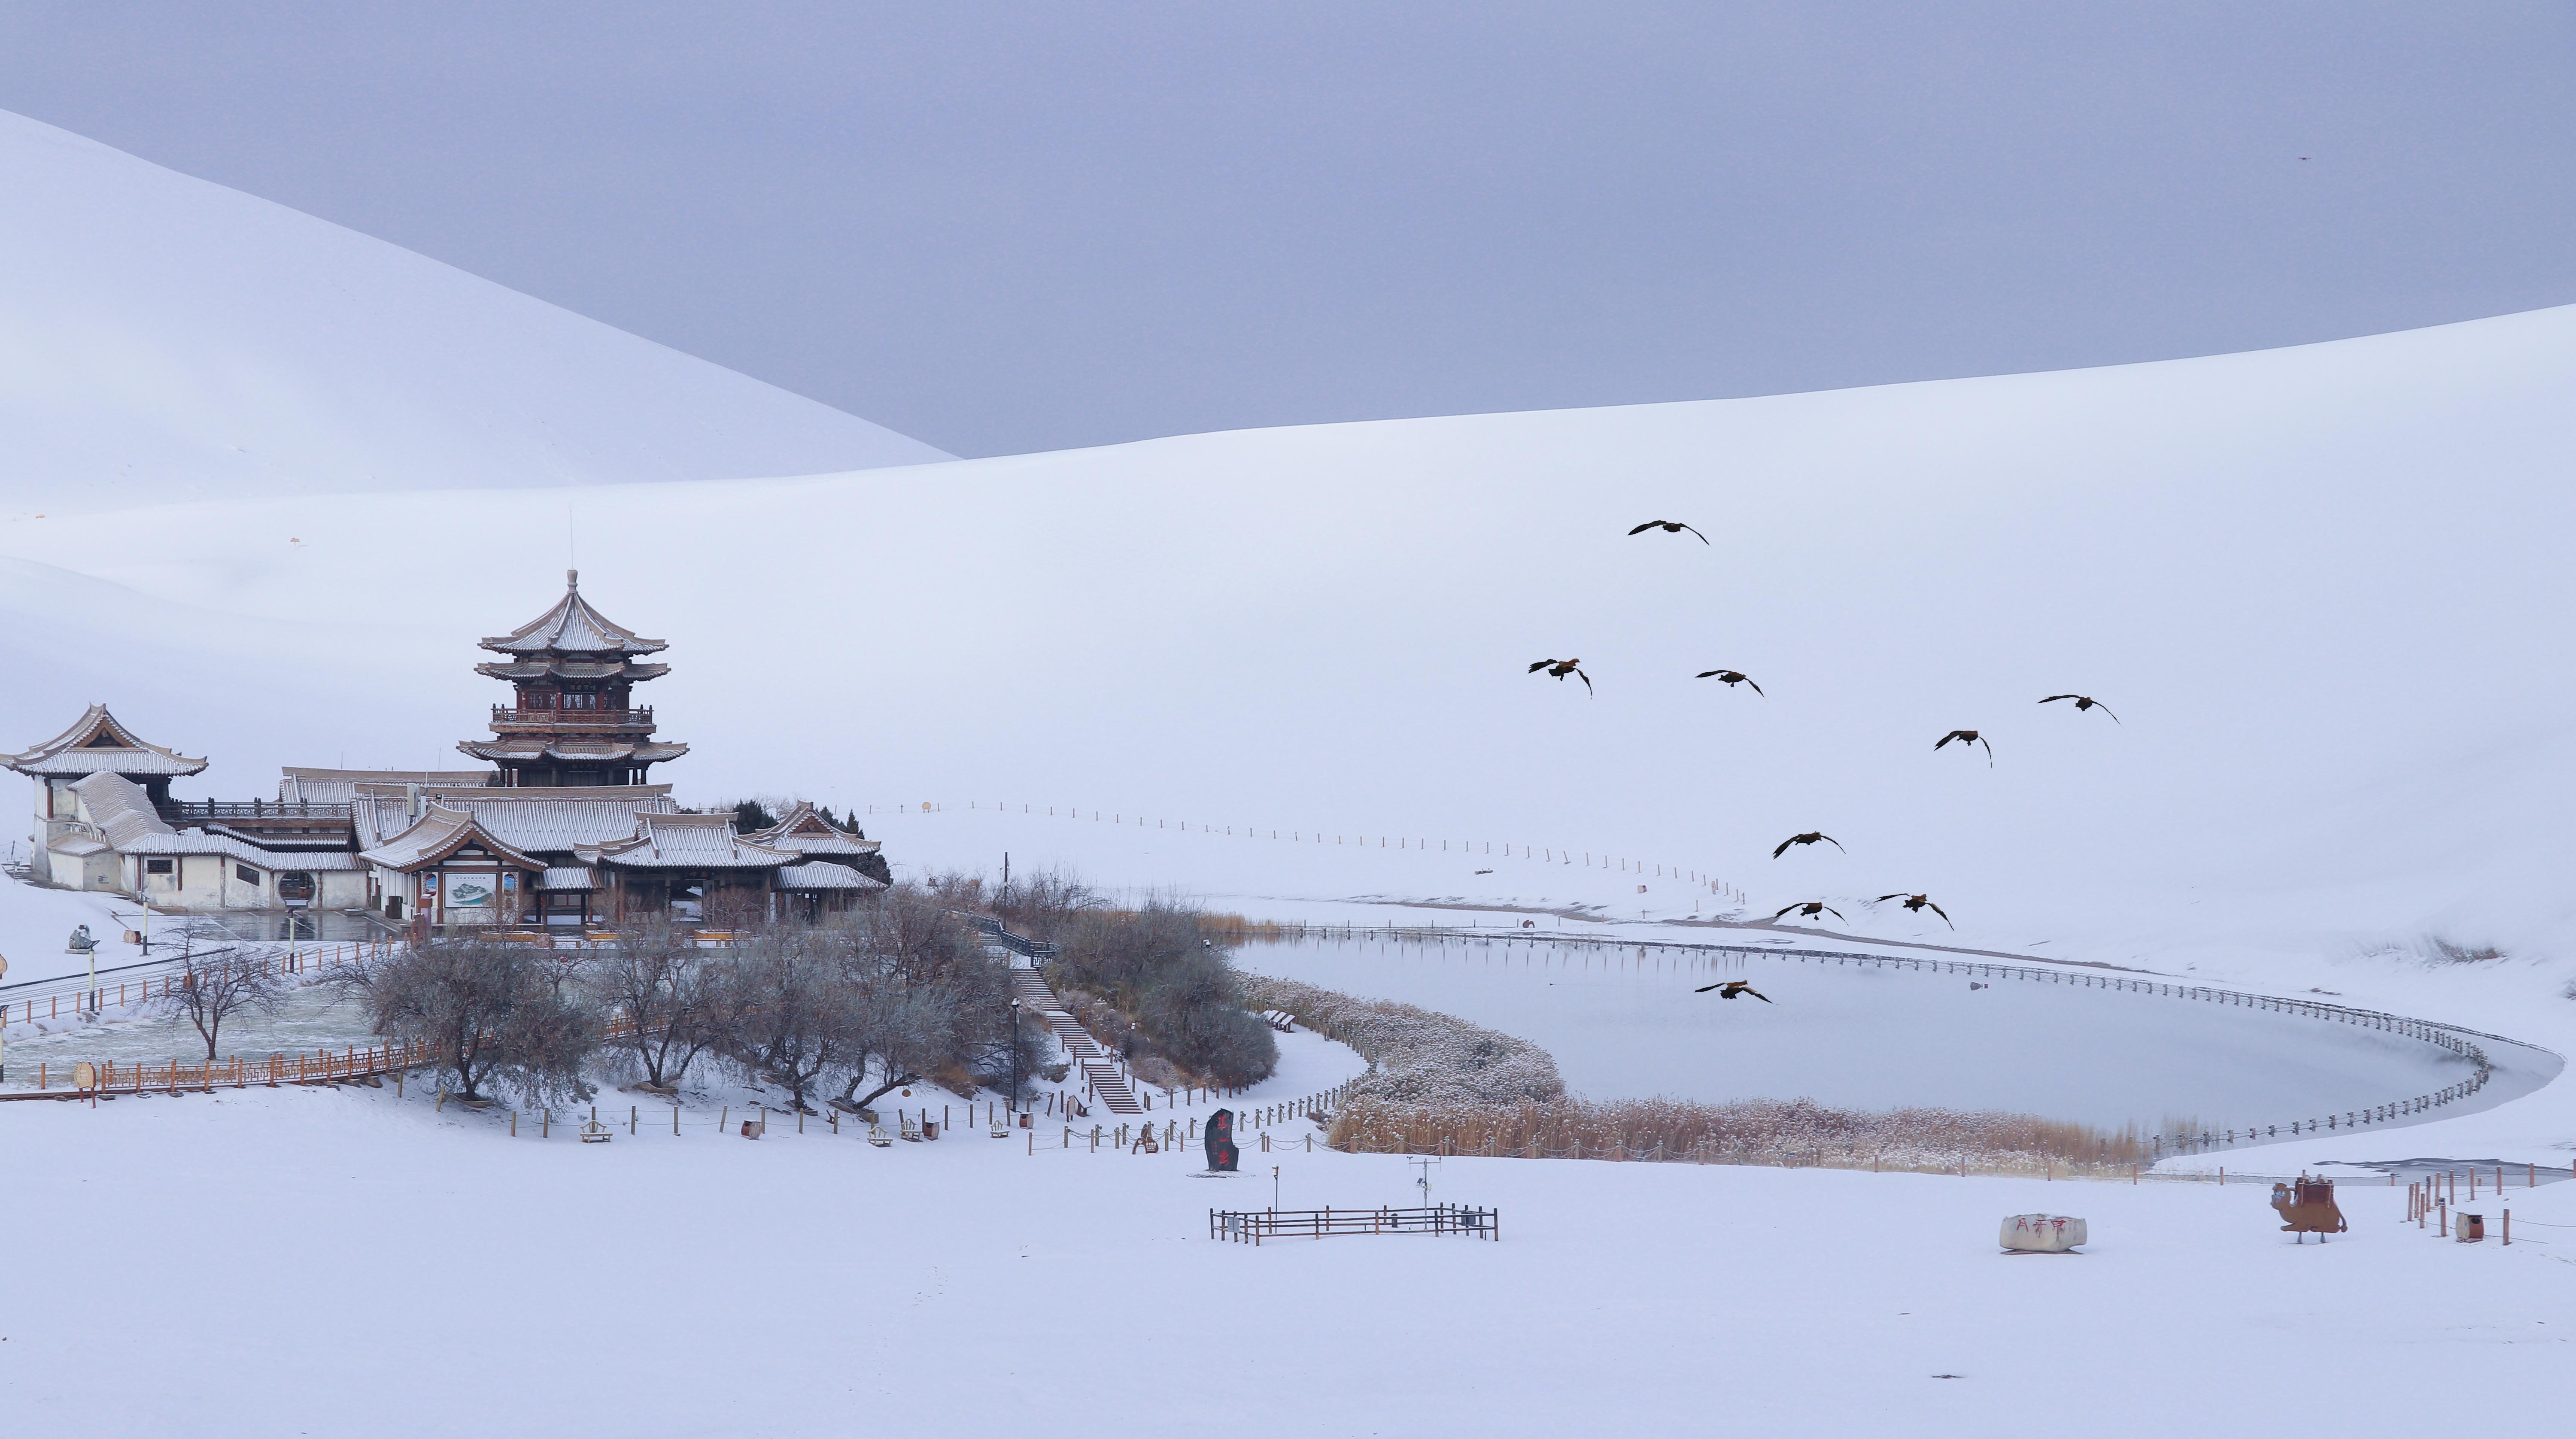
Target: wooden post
{"type": "Point", "coordinates": [633, 1113]}
{"type": "Point", "coordinates": [514, 1124]}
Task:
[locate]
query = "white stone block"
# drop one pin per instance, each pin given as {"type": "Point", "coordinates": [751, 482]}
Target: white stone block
{"type": "Point", "coordinates": [2042, 1233]}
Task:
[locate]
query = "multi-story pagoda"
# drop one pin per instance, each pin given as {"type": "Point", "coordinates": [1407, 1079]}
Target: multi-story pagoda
{"type": "Point", "coordinates": [575, 722]}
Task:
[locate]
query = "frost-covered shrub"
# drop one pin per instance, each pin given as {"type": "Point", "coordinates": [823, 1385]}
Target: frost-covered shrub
{"type": "Point", "coordinates": [1423, 1057]}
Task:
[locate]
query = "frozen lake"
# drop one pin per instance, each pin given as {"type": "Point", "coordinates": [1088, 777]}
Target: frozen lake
{"type": "Point", "coordinates": [1623, 1024]}
{"type": "Point", "coordinates": [311, 1019]}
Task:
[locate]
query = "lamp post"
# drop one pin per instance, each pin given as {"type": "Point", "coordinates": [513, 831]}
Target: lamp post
{"type": "Point", "coordinates": [1015, 1051]}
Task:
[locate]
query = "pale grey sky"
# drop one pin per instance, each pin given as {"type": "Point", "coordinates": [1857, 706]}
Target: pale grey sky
{"type": "Point", "coordinates": [1007, 227]}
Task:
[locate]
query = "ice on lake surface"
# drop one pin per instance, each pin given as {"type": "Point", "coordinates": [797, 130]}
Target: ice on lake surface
{"type": "Point", "coordinates": [1623, 1024]}
{"type": "Point", "coordinates": [311, 1019]}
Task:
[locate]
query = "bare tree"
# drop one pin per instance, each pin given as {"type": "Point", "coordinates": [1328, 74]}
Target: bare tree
{"type": "Point", "coordinates": [494, 1013]}
{"type": "Point", "coordinates": [672, 994]}
{"type": "Point", "coordinates": [212, 988]}
{"type": "Point", "coordinates": [922, 996]}
{"type": "Point", "coordinates": [784, 1008]}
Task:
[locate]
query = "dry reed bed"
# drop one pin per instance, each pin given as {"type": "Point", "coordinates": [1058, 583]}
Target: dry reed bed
{"type": "Point", "coordinates": [1744, 1131]}
{"type": "Point", "coordinates": [1443, 1085]}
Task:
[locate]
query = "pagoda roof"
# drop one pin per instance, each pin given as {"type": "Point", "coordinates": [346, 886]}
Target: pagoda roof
{"type": "Point", "coordinates": [98, 744]}
{"type": "Point", "coordinates": [685, 841]}
{"type": "Point", "coordinates": [572, 751]}
{"type": "Point", "coordinates": [808, 833]}
{"type": "Point", "coordinates": [572, 627]}
{"type": "Point", "coordinates": [440, 833]}
{"type": "Point", "coordinates": [539, 669]}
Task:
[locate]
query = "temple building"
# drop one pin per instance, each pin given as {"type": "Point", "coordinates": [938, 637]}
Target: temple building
{"type": "Point", "coordinates": [575, 721]}
{"type": "Point", "coordinates": [563, 835]}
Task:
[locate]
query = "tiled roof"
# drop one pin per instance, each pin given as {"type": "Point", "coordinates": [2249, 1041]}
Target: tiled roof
{"type": "Point", "coordinates": [537, 820]}
{"type": "Point", "coordinates": [97, 744]}
{"type": "Point", "coordinates": [824, 875]}
{"type": "Point", "coordinates": [571, 669]}
{"type": "Point", "coordinates": [572, 627]}
{"type": "Point", "coordinates": [569, 876]}
{"type": "Point", "coordinates": [574, 751]}
{"type": "Point", "coordinates": [686, 841]}
{"type": "Point", "coordinates": [440, 833]}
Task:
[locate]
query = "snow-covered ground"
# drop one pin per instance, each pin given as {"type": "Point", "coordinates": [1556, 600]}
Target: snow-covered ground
{"type": "Point", "coordinates": [262, 1263]}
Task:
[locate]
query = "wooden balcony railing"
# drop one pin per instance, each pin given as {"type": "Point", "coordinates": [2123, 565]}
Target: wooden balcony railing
{"type": "Point", "coordinates": [572, 719]}
{"type": "Point", "coordinates": [176, 810]}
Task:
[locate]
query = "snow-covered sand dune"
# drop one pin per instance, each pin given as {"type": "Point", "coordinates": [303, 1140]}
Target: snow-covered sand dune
{"type": "Point", "coordinates": [163, 338]}
{"type": "Point", "coordinates": [2320, 586]}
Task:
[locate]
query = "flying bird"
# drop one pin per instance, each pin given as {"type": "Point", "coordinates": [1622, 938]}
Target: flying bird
{"type": "Point", "coordinates": [1729, 678]}
{"type": "Point", "coordinates": [1561, 668]}
{"type": "Point", "coordinates": [1670, 527]}
{"type": "Point", "coordinates": [1811, 909]}
{"type": "Point", "coordinates": [1810, 837]}
{"type": "Point", "coordinates": [1729, 989]}
{"type": "Point", "coordinates": [1917, 903]}
{"type": "Point", "coordinates": [1966, 737]}
{"type": "Point", "coordinates": [2083, 702]}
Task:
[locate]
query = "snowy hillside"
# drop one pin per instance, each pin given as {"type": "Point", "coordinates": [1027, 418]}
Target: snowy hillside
{"type": "Point", "coordinates": [162, 338]}
{"type": "Point", "coordinates": [2322, 588]}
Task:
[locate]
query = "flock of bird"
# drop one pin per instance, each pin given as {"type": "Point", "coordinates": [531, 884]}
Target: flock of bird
{"type": "Point", "coordinates": [1559, 669]}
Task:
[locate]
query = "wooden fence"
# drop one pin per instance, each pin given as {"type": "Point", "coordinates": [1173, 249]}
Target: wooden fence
{"type": "Point", "coordinates": [1251, 1226]}
{"type": "Point", "coordinates": [321, 1067]}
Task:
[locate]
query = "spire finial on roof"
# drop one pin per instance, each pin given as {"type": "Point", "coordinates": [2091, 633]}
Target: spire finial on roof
{"type": "Point", "coordinates": [572, 579]}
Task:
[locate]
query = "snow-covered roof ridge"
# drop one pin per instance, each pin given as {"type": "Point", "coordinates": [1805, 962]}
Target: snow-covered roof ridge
{"type": "Point", "coordinates": [97, 743]}
{"type": "Point", "coordinates": [805, 831]}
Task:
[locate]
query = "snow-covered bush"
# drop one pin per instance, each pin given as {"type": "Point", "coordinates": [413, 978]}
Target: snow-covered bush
{"type": "Point", "coordinates": [1422, 1057]}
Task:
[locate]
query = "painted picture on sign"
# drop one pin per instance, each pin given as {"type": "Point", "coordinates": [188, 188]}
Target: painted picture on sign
{"type": "Point", "coordinates": [465, 893]}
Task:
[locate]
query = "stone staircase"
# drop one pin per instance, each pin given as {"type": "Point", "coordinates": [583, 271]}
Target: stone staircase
{"type": "Point", "coordinates": [1100, 1072]}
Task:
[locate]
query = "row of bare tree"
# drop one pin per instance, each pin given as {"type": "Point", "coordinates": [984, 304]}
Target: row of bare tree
{"type": "Point", "coordinates": [896, 995]}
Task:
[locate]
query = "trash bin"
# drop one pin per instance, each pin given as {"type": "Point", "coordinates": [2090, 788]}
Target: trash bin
{"type": "Point", "coordinates": [2469, 1228]}
{"type": "Point", "coordinates": [930, 1129]}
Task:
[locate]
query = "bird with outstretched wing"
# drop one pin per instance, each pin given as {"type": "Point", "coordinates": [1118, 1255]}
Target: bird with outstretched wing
{"type": "Point", "coordinates": [1729, 989]}
{"type": "Point", "coordinates": [1917, 902]}
{"type": "Point", "coordinates": [1670, 527]}
{"type": "Point", "coordinates": [2083, 702]}
{"type": "Point", "coordinates": [1561, 668]}
{"type": "Point", "coordinates": [1967, 737]}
